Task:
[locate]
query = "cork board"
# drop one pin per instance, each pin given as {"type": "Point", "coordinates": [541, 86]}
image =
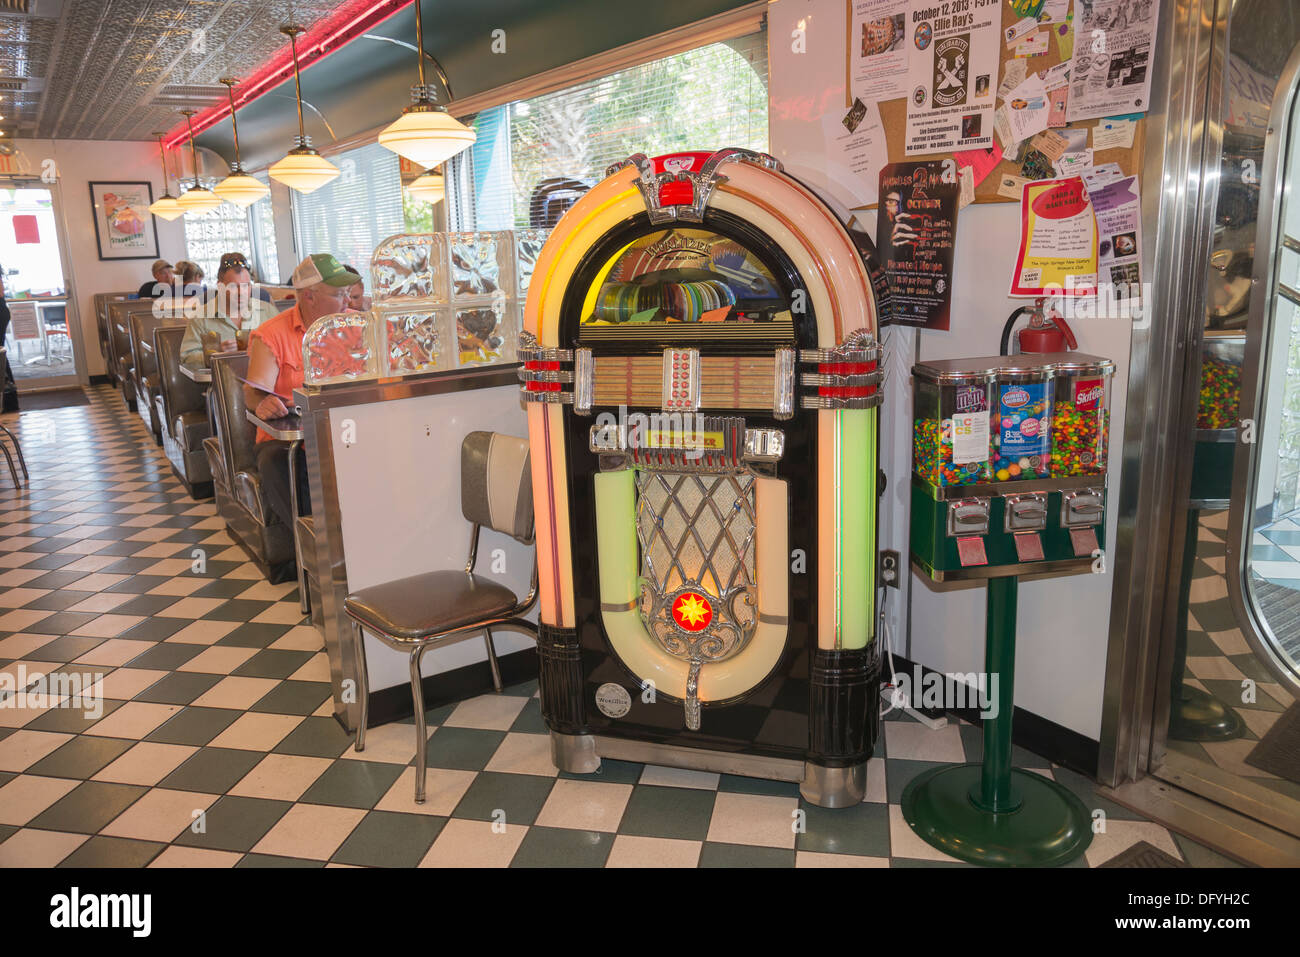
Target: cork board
{"type": "Point", "coordinates": [893, 119]}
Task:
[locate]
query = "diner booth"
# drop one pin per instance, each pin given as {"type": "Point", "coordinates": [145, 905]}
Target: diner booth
{"type": "Point", "coordinates": [659, 480]}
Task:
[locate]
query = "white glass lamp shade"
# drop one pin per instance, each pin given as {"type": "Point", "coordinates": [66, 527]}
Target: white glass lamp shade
{"type": "Point", "coordinates": [429, 188]}
{"type": "Point", "coordinates": [427, 137]}
{"type": "Point", "coordinates": [241, 189]}
{"type": "Point", "coordinates": [303, 170]}
{"type": "Point", "coordinates": [166, 207]}
{"type": "Point", "coordinates": [198, 200]}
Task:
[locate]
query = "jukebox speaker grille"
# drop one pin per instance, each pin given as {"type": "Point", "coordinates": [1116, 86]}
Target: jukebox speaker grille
{"type": "Point", "coordinates": [698, 584]}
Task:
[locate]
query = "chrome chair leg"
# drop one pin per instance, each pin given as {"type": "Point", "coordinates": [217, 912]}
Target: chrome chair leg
{"type": "Point", "coordinates": [12, 470]}
{"type": "Point", "coordinates": [18, 447]}
{"type": "Point", "coordinates": [363, 684]}
{"type": "Point", "coordinates": [421, 731]}
{"type": "Point", "coordinates": [492, 659]}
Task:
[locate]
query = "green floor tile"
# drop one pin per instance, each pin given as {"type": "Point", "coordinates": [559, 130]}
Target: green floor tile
{"type": "Point", "coordinates": [113, 852]}
{"type": "Point", "coordinates": [272, 663]}
{"type": "Point", "coordinates": [316, 737]}
{"type": "Point", "coordinates": [72, 720]}
{"type": "Point", "coordinates": [530, 720]}
{"type": "Point", "coordinates": [238, 609]}
{"type": "Point", "coordinates": [87, 807]}
{"type": "Point", "coordinates": [610, 772]}
{"type": "Point", "coordinates": [741, 855]}
{"type": "Point", "coordinates": [268, 860]}
{"type": "Point", "coordinates": [253, 634]}
{"type": "Point", "coordinates": [293, 697]}
{"type": "Point", "coordinates": [353, 784]}
{"type": "Point", "coordinates": [147, 605]}
{"type": "Point", "coordinates": [681, 813]}
{"type": "Point", "coordinates": [1198, 855]}
{"type": "Point", "coordinates": [561, 847]}
{"type": "Point", "coordinates": [155, 629]}
{"type": "Point", "coordinates": [388, 839]}
{"type": "Point", "coordinates": [862, 829]}
{"type": "Point", "coordinates": [1086, 789]}
{"type": "Point", "coordinates": [81, 757]}
{"type": "Point", "coordinates": [61, 623]}
{"type": "Point", "coordinates": [737, 784]}
{"type": "Point", "coordinates": [224, 587]}
{"type": "Point", "coordinates": [235, 823]}
{"type": "Point", "coordinates": [212, 770]}
{"type": "Point", "coordinates": [519, 796]}
{"type": "Point", "coordinates": [166, 656]}
{"type": "Point", "coordinates": [463, 749]}
{"type": "Point", "coordinates": [194, 726]}
{"type": "Point", "coordinates": [899, 773]}
{"type": "Point", "coordinates": [181, 687]}
{"type": "Point", "coordinates": [58, 600]}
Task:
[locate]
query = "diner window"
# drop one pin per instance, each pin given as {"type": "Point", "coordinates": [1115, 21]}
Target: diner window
{"type": "Point", "coordinates": [352, 215]}
{"type": "Point", "coordinates": [208, 236]}
{"type": "Point", "coordinates": [703, 99]}
{"type": "Point", "coordinates": [265, 256]}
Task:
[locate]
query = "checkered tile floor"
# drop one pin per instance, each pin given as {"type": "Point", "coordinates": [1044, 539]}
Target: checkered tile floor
{"type": "Point", "coordinates": [1219, 659]}
{"type": "Point", "coordinates": [216, 746]}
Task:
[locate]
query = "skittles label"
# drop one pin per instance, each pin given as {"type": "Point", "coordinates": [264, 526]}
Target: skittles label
{"type": "Point", "coordinates": [1088, 394]}
{"type": "Point", "coordinates": [1023, 423]}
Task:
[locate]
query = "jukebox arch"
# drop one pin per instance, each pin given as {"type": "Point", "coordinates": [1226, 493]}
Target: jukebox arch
{"type": "Point", "coordinates": [673, 563]}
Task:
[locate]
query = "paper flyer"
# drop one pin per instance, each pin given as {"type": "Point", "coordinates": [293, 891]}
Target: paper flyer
{"type": "Point", "coordinates": [915, 230]}
{"type": "Point", "coordinates": [1031, 44]}
{"type": "Point", "coordinates": [1119, 236]}
{"type": "Point", "coordinates": [1058, 240]}
{"type": "Point", "coordinates": [1027, 108]}
{"type": "Point", "coordinates": [952, 74]}
{"type": "Point", "coordinates": [854, 159]}
{"type": "Point", "coordinates": [1113, 134]}
{"type": "Point", "coordinates": [1013, 74]}
{"type": "Point", "coordinates": [1097, 177]}
{"type": "Point", "coordinates": [1012, 186]}
{"type": "Point", "coordinates": [979, 162]}
{"type": "Point", "coordinates": [877, 49]}
{"type": "Point", "coordinates": [1112, 52]}
{"type": "Point", "coordinates": [1054, 11]}
{"type": "Point", "coordinates": [1074, 164]}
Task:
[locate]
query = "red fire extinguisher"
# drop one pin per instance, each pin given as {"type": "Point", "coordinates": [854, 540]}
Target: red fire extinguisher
{"type": "Point", "coordinates": [1046, 332]}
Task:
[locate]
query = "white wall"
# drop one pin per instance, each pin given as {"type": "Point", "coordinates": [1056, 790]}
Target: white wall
{"type": "Point", "coordinates": [1063, 621]}
{"type": "Point", "coordinates": [77, 163]}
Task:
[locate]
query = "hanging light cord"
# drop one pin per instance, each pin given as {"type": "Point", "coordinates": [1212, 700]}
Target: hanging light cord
{"type": "Point", "coordinates": [234, 126]}
{"type": "Point", "coordinates": [194, 150]}
{"type": "Point", "coordinates": [292, 30]}
{"type": "Point", "coordinates": [162, 155]}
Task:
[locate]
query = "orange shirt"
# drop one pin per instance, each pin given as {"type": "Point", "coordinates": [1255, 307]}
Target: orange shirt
{"type": "Point", "coordinates": [283, 335]}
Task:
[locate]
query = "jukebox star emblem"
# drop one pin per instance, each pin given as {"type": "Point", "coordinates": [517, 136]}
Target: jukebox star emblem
{"type": "Point", "coordinates": [692, 612]}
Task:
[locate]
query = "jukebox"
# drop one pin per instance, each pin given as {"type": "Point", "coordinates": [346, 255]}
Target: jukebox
{"type": "Point", "coordinates": [700, 373]}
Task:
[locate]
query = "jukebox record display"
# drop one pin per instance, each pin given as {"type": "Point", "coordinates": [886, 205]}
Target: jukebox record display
{"type": "Point", "coordinates": [701, 376]}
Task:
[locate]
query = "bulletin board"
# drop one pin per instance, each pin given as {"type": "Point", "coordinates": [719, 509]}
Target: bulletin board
{"type": "Point", "coordinates": [893, 119]}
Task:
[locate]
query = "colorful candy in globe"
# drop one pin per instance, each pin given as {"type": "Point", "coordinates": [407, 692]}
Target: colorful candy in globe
{"type": "Point", "coordinates": [1079, 440]}
{"type": "Point", "coordinates": [1220, 394]}
{"type": "Point", "coordinates": [932, 456]}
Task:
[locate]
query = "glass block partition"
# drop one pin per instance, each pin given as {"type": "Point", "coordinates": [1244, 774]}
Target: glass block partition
{"type": "Point", "coordinates": [442, 301]}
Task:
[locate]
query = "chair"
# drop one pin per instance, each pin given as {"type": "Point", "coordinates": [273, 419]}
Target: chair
{"type": "Point", "coordinates": [237, 484]}
{"type": "Point", "coordinates": [439, 608]}
{"type": "Point", "coordinates": [180, 407]}
{"type": "Point", "coordinates": [4, 357]}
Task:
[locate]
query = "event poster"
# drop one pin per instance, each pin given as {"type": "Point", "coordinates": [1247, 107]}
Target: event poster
{"type": "Point", "coordinates": [877, 50]}
{"type": "Point", "coordinates": [1119, 236]}
{"type": "Point", "coordinates": [915, 230]}
{"type": "Point", "coordinates": [952, 74]}
{"type": "Point", "coordinates": [1058, 240]}
{"type": "Point", "coordinates": [124, 227]}
{"type": "Point", "coordinates": [1109, 71]}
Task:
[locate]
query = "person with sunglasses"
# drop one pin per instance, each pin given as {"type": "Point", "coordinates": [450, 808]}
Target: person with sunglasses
{"type": "Point", "coordinates": [229, 315]}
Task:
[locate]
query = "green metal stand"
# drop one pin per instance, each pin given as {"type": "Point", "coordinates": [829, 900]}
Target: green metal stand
{"type": "Point", "coordinates": [991, 813]}
{"type": "Point", "coordinates": [1195, 715]}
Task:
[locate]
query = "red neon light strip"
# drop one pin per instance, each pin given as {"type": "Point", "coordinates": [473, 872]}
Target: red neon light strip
{"type": "Point", "coordinates": [330, 34]}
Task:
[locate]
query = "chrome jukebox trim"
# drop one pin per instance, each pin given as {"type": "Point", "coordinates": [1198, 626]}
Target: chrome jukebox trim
{"type": "Point", "coordinates": [736, 154]}
{"type": "Point", "coordinates": [783, 384]}
{"type": "Point", "coordinates": [550, 398]}
{"type": "Point", "coordinates": [583, 374]}
{"type": "Point", "coordinates": [830, 402]}
{"type": "Point", "coordinates": [703, 181]}
{"type": "Point", "coordinates": [842, 381]}
{"type": "Point", "coordinates": [544, 375]}
{"type": "Point", "coordinates": [530, 350]}
{"type": "Point", "coordinates": [860, 346]}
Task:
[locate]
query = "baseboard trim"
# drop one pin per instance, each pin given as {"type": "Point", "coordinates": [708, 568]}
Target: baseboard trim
{"type": "Point", "coordinates": [1057, 743]}
{"type": "Point", "coordinates": [448, 687]}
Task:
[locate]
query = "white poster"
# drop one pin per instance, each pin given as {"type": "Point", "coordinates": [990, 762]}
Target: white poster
{"type": "Point", "coordinates": [877, 49]}
{"type": "Point", "coordinates": [952, 74]}
{"type": "Point", "coordinates": [1110, 70]}
{"type": "Point", "coordinates": [854, 158]}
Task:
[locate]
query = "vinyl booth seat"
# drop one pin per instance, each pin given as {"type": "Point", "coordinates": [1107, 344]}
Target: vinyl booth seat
{"type": "Point", "coordinates": [237, 485]}
{"type": "Point", "coordinates": [145, 378]}
{"type": "Point", "coordinates": [180, 408]}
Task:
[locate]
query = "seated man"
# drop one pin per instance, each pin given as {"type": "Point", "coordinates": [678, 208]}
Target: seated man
{"type": "Point", "coordinates": [161, 284]}
{"type": "Point", "coordinates": [231, 311]}
{"type": "Point", "coordinates": [275, 370]}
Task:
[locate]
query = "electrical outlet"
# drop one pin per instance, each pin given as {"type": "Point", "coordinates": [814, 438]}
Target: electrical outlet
{"type": "Point", "coordinates": [890, 565]}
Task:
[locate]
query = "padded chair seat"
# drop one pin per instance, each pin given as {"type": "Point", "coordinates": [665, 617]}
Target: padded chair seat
{"type": "Point", "coordinates": [248, 491]}
{"type": "Point", "coordinates": [216, 462]}
{"type": "Point", "coordinates": [190, 429]}
{"type": "Point", "coordinates": [422, 605]}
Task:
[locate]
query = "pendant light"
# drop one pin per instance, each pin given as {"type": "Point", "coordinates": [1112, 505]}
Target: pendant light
{"type": "Point", "coordinates": [238, 188]}
{"type": "Point", "coordinates": [303, 169]}
{"type": "Point", "coordinates": [196, 199]}
{"type": "Point", "coordinates": [165, 207]}
{"type": "Point", "coordinates": [430, 187]}
{"type": "Point", "coordinates": [425, 133]}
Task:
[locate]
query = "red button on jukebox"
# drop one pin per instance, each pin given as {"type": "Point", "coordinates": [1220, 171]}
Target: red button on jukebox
{"type": "Point", "coordinates": [692, 611]}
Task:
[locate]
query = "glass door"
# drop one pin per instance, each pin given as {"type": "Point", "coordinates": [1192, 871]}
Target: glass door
{"type": "Point", "coordinates": [39, 339]}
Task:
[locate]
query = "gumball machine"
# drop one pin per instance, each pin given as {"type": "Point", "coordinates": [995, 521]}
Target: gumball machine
{"type": "Point", "coordinates": [1009, 473]}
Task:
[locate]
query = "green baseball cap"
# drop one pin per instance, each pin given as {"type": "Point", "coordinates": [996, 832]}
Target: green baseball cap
{"type": "Point", "coordinates": [322, 267]}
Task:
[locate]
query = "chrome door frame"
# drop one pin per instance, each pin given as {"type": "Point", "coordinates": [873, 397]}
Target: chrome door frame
{"type": "Point", "coordinates": [1180, 195]}
{"type": "Point", "coordinates": [1254, 380]}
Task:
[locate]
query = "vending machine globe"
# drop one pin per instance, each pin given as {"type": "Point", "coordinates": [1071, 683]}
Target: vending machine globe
{"type": "Point", "coordinates": [701, 376]}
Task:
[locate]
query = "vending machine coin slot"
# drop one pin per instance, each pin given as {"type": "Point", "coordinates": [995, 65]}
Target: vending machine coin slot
{"type": "Point", "coordinates": [967, 517]}
{"type": "Point", "coordinates": [970, 551]}
{"type": "Point", "coordinates": [1081, 508]}
{"type": "Point", "coordinates": [1029, 546]}
{"type": "Point", "coordinates": [1026, 512]}
{"type": "Point", "coordinates": [1084, 541]}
